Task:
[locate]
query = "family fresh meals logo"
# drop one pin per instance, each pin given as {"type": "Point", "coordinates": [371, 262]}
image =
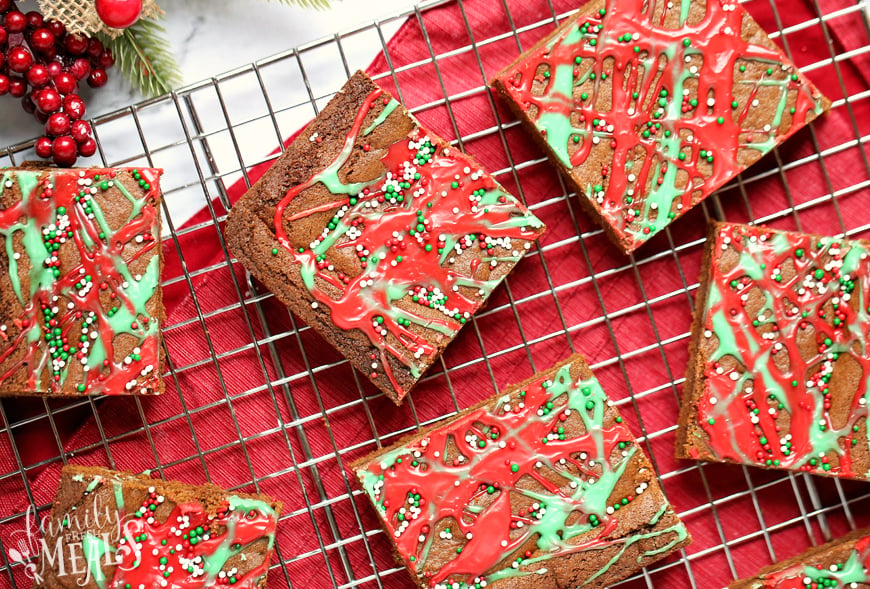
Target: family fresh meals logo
{"type": "Point", "coordinates": [76, 544]}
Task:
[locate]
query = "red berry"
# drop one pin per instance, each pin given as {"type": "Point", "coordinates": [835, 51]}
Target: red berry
{"type": "Point", "coordinates": [42, 40]}
{"type": "Point", "coordinates": [63, 150]}
{"type": "Point", "coordinates": [95, 48]}
{"type": "Point", "coordinates": [80, 131]}
{"type": "Point", "coordinates": [54, 68]}
{"type": "Point", "coordinates": [98, 78]}
{"type": "Point", "coordinates": [4, 84]}
{"type": "Point", "coordinates": [19, 59]}
{"type": "Point", "coordinates": [88, 148]}
{"type": "Point", "coordinates": [2, 59]}
{"type": "Point", "coordinates": [119, 14]}
{"type": "Point", "coordinates": [74, 107]}
{"type": "Point", "coordinates": [75, 44]}
{"type": "Point", "coordinates": [65, 83]}
{"type": "Point", "coordinates": [37, 75]}
{"type": "Point", "coordinates": [107, 60]}
{"type": "Point", "coordinates": [57, 124]}
{"type": "Point", "coordinates": [56, 27]}
{"type": "Point", "coordinates": [40, 116]}
{"type": "Point", "coordinates": [48, 100]}
{"type": "Point", "coordinates": [4, 36]}
{"type": "Point", "coordinates": [5, 5]}
{"type": "Point", "coordinates": [15, 21]}
{"type": "Point", "coordinates": [43, 147]}
{"type": "Point", "coordinates": [80, 68]}
{"type": "Point", "coordinates": [17, 87]}
{"type": "Point", "coordinates": [34, 19]}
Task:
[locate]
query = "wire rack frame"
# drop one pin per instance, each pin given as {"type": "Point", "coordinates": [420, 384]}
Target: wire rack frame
{"type": "Point", "coordinates": [325, 505]}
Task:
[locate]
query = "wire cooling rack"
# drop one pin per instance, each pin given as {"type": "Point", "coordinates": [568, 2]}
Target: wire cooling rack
{"type": "Point", "coordinates": [256, 401]}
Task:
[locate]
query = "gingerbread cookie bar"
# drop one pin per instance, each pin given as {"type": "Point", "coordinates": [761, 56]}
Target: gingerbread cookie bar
{"type": "Point", "coordinates": [541, 486]}
{"type": "Point", "coordinates": [648, 107]}
{"type": "Point", "coordinates": [80, 262]}
{"type": "Point", "coordinates": [116, 529]}
{"type": "Point", "coordinates": [779, 362]}
{"type": "Point", "coordinates": [380, 235]}
{"type": "Point", "coordinates": [843, 563]}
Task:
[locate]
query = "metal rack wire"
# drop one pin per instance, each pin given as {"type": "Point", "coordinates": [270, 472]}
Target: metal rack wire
{"type": "Point", "coordinates": [257, 402]}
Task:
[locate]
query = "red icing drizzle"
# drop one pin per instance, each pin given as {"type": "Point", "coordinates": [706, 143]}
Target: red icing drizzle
{"type": "Point", "coordinates": [411, 247]}
{"type": "Point", "coordinates": [100, 260]}
{"type": "Point", "coordinates": [770, 417]}
{"type": "Point", "coordinates": [610, 116]}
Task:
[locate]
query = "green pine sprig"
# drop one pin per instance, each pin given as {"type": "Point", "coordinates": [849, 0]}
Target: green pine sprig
{"type": "Point", "coordinates": [143, 55]}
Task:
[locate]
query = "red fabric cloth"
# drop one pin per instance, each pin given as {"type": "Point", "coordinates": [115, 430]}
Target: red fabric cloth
{"type": "Point", "coordinates": [233, 433]}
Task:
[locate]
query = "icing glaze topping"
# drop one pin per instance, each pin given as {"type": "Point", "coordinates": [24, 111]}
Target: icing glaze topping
{"type": "Point", "coordinates": [505, 488]}
{"type": "Point", "coordinates": [786, 321]}
{"type": "Point", "coordinates": [189, 549]}
{"type": "Point", "coordinates": [408, 231]}
{"type": "Point", "coordinates": [850, 573]}
{"type": "Point", "coordinates": [654, 106]}
{"type": "Point", "coordinates": [81, 296]}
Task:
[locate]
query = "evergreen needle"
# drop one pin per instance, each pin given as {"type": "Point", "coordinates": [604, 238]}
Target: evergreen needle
{"type": "Point", "coordinates": [142, 54]}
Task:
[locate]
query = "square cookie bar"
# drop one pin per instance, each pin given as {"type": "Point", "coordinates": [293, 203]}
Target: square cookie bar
{"type": "Point", "coordinates": [117, 529]}
{"type": "Point", "coordinates": [541, 486]}
{"type": "Point", "coordinates": [381, 236]}
{"type": "Point", "coordinates": [843, 563]}
{"type": "Point", "coordinates": [778, 364]}
{"type": "Point", "coordinates": [648, 107]}
{"type": "Point", "coordinates": [80, 262]}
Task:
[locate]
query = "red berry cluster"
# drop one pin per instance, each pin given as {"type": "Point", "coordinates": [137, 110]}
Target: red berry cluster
{"type": "Point", "coordinates": [42, 64]}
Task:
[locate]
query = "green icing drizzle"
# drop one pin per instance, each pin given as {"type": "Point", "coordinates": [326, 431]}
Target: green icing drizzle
{"type": "Point", "coordinates": [389, 108]}
{"type": "Point", "coordinates": [95, 549]}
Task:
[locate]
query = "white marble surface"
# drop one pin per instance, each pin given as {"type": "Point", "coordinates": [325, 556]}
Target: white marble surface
{"type": "Point", "coordinates": [209, 37]}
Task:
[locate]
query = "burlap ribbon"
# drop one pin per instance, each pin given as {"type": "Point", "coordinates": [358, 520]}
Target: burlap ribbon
{"type": "Point", "coordinates": [80, 16]}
